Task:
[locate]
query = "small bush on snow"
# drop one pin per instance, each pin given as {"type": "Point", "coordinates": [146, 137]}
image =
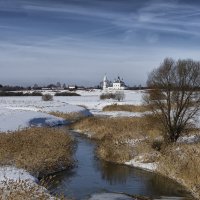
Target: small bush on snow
{"type": "Point", "coordinates": [119, 96]}
{"type": "Point", "coordinates": [107, 96]}
{"type": "Point", "coordinates": [47, 97]}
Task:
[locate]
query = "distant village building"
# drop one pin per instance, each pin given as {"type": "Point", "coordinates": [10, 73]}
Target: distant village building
{"type": "Point", "coordinates": [118, 84]}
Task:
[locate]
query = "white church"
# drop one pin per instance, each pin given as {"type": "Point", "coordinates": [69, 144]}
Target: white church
{"type": "Point", "coordinates": [118, 84]}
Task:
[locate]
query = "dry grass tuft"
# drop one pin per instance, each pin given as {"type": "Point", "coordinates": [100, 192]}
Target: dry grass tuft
{"type": "Point", "coordinates": [38, 150]}
{"type": "Point", "coordinates": [181, 162]}
{"type": "Point", "coordinates": [18, 190]}
{"type": "Point", "coordinates": [127, 107]}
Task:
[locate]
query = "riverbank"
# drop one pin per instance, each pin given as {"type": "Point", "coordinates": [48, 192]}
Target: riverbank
{"type": "Point", "coordinates": [29, 144]}
{"type": "Point", "coordinates": [137, 141]}
{"type": "Point", "coordinates": [36, 152]}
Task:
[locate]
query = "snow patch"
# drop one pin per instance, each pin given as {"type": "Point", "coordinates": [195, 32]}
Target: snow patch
{"type": "Point", "coordinates": [13, 120]}
{"type": "Point", "coordinates": [189, 139]}
{"type": "Point", "coordinates": [138, 163]}
{"type": "Point", "coordinates": [15, 174]}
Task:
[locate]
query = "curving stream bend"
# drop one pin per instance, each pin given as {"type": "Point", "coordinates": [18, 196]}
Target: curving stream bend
{"type": "Point", "coordinates": [96, 179]}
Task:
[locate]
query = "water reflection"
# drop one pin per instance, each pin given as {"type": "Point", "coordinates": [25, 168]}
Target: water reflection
{"type": "Point", "coordinates": [121, 174]}
{"type": "Point", "coordinates": [113, 173]}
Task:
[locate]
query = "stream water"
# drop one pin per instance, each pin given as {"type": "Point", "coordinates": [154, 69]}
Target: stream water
{"type": "Point", "coordinates": [96, 179]}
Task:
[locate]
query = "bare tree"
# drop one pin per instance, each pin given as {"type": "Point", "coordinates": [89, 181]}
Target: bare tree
{"type": "Point", "coordinates": [174, 97]}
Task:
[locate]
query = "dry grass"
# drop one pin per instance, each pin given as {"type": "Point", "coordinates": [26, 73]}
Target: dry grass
{"type": "Point", "coordinates": [181, 162]}
{"type": "Point", "coordinates": [116, 134]}
{"type": "Point", "coordinates": [123, 127]}
{"type": "Point", "coordinates": [18, 190]}
{"type": "Point", "coordinates": [38, 150]}
{"type": "Point", "coordinates": [68, 116]}
{"type": "Point", "coordinates": [127, 107]}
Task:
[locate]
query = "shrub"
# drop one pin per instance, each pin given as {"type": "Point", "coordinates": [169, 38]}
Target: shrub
{"type": "Point", "coordinates": [107, 96]}
{"type": "Point", "coordinates": [157, 144]}
{"type": "Point", "coordinates": [47, 97]}
{"type": "Point", "coordinates": [119, 96]}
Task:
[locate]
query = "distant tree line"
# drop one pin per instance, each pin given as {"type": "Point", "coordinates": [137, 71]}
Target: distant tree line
{"type": "Point", "coordinates": [15, 93]}
{"type": "Point", "coordinates": [13, 88]}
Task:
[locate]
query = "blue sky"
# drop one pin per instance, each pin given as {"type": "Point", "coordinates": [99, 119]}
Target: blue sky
{"type": "Point", "coordinates": [78, 41]}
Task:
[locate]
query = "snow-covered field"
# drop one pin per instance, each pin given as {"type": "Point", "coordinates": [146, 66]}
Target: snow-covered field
{"type": "Point", "coordinates": [92, 101]}
{"type": "Point", "coordinates": [22, 112]}
{"type": "Point", "coordinates": [14, 119]}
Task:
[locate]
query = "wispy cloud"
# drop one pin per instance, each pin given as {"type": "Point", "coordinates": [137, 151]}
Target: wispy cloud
{"type": "Point", "coordinates": [63, 38]}
{"type": "Point", "coordinates": [173, 17]}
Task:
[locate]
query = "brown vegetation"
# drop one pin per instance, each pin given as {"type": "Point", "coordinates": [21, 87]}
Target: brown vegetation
{"type": "Point", "coordinates": [38, 150]}
{"type": "Point", "coordinates": [182, 161]}
{"type": "Point", "coordinates": [116, 134]}
{"type": "Point", "coordinates": [126, 107]}
{"type": "Point", "coordinates": [18, 190]}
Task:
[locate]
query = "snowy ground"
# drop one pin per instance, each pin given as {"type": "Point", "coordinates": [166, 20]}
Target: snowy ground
{"type": "Point", "coordinates": [17, 180]}
{"type": "Point", "coordinates": [21, 112]}
{"type": "Point", "coordinates": [91, 99]}
{"type": "Point", "coordinates": [12, 119]}
{"type": "Point", "coordinates": [140, 164]}
{"type": "Point", "coordinates": [14, 174]}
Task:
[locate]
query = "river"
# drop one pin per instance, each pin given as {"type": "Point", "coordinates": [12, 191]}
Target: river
{"type": "Point", "coordinates": [95, 179]}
